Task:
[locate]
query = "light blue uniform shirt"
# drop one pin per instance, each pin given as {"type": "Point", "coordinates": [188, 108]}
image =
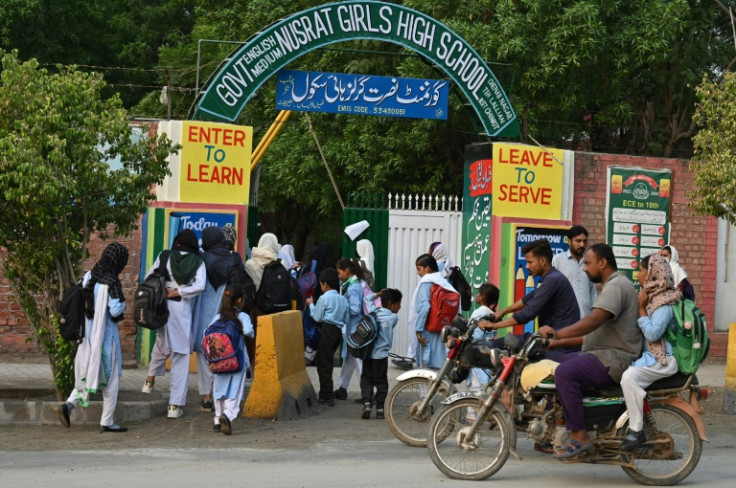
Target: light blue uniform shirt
{"type": "Point", "coordinates": [331, 308]}
{"type": "Point", "coordinates": [387, 320]}
{"type": "Point", "coordinates": [434, 352]}
{"type": "Point", "coordinates": [653, 328]}
{"type": "Point", "coordinates": [111, 337]}
{"type": "Point", "coordinates": [585, 291]}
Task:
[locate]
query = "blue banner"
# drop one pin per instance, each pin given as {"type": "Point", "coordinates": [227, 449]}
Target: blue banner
{"type": "Point", "coordinates": [339, 93]}
{"type": "Point", "coordinates": [197, 221]}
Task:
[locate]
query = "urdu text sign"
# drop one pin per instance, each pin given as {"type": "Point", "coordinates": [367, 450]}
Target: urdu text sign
{"type": "Point", "coordinates": [286, 40]}
{"type": "Point", "coordinates": [215, 162]}
{"type": "Point", "coordinates": [340, 93]}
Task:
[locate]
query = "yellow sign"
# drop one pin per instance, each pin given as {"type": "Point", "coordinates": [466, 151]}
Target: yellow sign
{"type": "Point", "coordinates": [215, 162]}
{"type": "Point", "coordinates": [527, 182]}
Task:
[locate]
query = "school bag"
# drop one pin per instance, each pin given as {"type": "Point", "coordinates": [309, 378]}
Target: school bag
{"type": "Point", "coordinates": [444, 305]}
{"type": "Point", "coordinates": [307, 281]}
{"type": "Point", "coordinates": [222, 347]}
{"type": "Point", "coordinates": [458, 282]}
{"type": "Point", "coordinates": [274, 294]}
{"type": "Point", "coordinates": [72, 313]}
{"type": "Point", "coordinates": [366, 292]}
{"type": "Point", "coordinates": [238, 275]}
{"type": "Point", "coordinates": [689, 338]}
{"type": "Point", "coordinates": [360, 341]}
{"type": "Point", "coordinates": [150, 307]}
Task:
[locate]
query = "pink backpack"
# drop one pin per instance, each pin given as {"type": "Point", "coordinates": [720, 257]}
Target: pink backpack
{"type": "Point", "coordinates": [366, 292]}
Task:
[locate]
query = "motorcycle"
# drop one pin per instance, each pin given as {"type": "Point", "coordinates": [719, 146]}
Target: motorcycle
{"type": "Point", "coordinates": [418, 393]}
{"type": "Point", "coordinates": [472, 436]}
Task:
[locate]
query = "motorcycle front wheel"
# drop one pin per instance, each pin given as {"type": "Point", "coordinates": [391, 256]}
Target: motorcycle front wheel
{"type": "Point", "coordinates": [404, 419]}
{"type": "Point", "coordinates": [672, 451]}
{"type": "Point", "coordinates": [464, 457]}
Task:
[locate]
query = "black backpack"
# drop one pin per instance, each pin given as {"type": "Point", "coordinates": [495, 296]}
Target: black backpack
{"type": "Point", "coordinates": [150, 307]}
{"type": "Point", "coordinates": [238, 275]}
{"type": "Point", "coordinates": [71, 313]}
{"type": "Point", "coordinates": [360, 341]}
{"type": "Point", "coordinates": [274, 294]}
{"type": "Point", "coordinates": [459, 283]}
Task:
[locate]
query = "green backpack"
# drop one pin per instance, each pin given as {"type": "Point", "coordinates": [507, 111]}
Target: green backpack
{"type": "Point", "coordinates": [689, 338]}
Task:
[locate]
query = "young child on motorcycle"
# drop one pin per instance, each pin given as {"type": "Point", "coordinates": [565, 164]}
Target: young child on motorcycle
{"type": "Point", "coordinates": [487, 298]}
{"type": "Point", "coordinates": [658, 289]}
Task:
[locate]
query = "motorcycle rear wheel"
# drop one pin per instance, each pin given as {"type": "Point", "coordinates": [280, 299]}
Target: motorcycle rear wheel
{"type": "Point", "coordinates": [674, 456]}
{"type": "Point", "coordinates": [463, 458]}
{"type": "Point", "coordinates": [408, 425]}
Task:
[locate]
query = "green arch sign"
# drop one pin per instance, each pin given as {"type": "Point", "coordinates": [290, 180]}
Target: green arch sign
{"type": "Point", "coordinates": [276, 46]}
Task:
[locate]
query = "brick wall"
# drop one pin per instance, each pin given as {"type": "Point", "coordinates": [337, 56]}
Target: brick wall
{"type": "Point", "coordinates": [14, 329]}
{"type": "Point", "coordinates": [694, 236]}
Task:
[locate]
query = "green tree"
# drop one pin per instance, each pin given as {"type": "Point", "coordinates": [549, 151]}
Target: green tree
{"type": "Point", "coordinates": [57, 189]}
{"type": "Point", "coordinates": [119, 37]}
{"type": "Point", "coordinates": [715, 149]}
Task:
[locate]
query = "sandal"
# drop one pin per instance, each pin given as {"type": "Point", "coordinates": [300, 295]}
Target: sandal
{"type": "Point", "coordinates": [544, 446]}
{"type": "Point", "coordinates": [571, 449]}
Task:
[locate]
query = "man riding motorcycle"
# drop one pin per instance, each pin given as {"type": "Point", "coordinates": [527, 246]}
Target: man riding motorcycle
{"type": "Point", "coordinates": [611, 342]}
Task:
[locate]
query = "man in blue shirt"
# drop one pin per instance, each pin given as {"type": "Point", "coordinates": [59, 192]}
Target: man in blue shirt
{"type": "Point", "coordinates": [553, 302]}
{"type": "Point", "coordinates": [570, 264]}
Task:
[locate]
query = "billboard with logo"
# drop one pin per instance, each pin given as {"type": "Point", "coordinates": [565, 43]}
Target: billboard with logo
{"type": "Point", "coordinates": [637, 215]}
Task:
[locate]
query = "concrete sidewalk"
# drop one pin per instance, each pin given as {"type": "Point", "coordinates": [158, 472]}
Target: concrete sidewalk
{"type": "Point", "coordinates": [21, 381]}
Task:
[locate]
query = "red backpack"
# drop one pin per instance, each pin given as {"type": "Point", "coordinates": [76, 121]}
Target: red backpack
{"type": "Point", "coordinates": [443, 307]}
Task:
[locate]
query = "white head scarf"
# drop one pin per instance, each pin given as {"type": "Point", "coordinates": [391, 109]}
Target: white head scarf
{"type": "Point", "coordinates": [286, 255]}
{"type": "Point", "coordinates": [442, 255]}
{"type": "Point", "coordinates": [267, 251]}
{"type": "Point", "coordinates": [365, 251]}
{"type": "Point", "coordinates": [677, 271]}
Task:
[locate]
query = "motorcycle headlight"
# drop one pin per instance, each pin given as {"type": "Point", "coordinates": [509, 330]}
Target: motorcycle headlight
{"type": "Point", "coordinates": [494, 354]}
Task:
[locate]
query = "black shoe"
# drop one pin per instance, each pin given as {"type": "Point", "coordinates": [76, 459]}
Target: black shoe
{"type": "Point", "coordinates": [64, 415]}
{"type": "Point", "coordinates": [217, 427]}
{"type": "Point", "coordinates": [633, 440]}
{"type": "Point", "coordinates": [367, 409]}
{"type": "Point", "coordinates": [225, 426]}
{"type": "Point", "coordinates": [341, 394]}
{"type": "Point", "coordinates": [379, 414]}
{"type": "Point", "coordinates": [206, 406]}
{"type": "Point", "coordinates": [330, 402]}
{"type": "Point", "coordinates": [112, 428]}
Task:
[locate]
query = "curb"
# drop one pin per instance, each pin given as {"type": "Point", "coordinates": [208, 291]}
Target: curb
{"type": "Point", "coordinates": [47, 413]}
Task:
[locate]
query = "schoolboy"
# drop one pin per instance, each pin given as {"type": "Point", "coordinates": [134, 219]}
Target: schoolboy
{"type": "Point", "coordinates": [375, 368]}
{"type": "Point", "coordinates": [332, 312]}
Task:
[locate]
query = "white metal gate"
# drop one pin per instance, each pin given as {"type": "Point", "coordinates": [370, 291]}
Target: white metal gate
{"type": "Point", "coordinates": [415, 222]}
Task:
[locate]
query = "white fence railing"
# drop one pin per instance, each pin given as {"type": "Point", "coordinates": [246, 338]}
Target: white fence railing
{"type": "Point", "coordinates": [415, 222]}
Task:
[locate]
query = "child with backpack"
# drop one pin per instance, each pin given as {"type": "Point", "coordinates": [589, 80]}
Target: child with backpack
{"type": "Point", "coordinates": [374, 376]}
{"type": "Point", "coordinates": [487, 298]}
{"type": "Point", "coordinates": [351, 277]}
{"type": "Point", "coordinates": [658, 292]}
{"type": "Point", "coordinates": [332, 312]}
{"type": "Point", "coordinates": [434, 303]}
{"type": "Point", "coordinates": [228, 387]}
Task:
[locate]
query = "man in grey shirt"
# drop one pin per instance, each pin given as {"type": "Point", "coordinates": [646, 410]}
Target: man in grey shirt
{"type": "Point", "coordinates": [570, 264]}
{"type": "Point", "coordinates": [611, 341]}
